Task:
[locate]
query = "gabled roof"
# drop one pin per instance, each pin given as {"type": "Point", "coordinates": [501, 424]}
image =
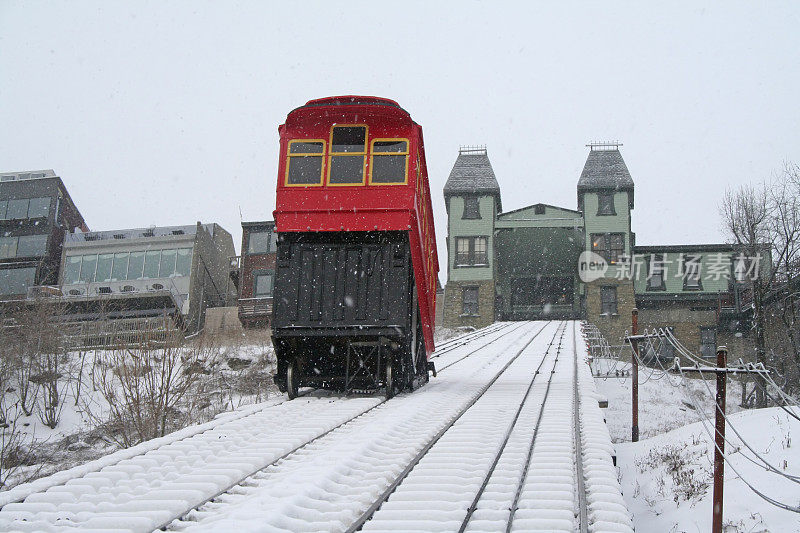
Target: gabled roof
{"type": "Point", "coordinates": [532, 206]}
{"type": "Point", "coordinates": [472, 174]}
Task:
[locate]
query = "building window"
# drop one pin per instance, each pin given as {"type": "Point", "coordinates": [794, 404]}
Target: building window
{"type": "Point", "coordinates": [655, 273]}
{"type": "Point", "coordinates": [605, 204]}
{"type": "Point", "coordinates": [8, 247]}
{"type": "Point", "coordinates": [39, 208]}
{"type": "Point", "coordinates": [608, 300]}
{"type": "Point", "coordinates": [348, 155]}
{"type": "Point", "coordinates": [167, 268]}
{"type": "Point", "coordinates": [122, 266]}
{"type": "Point", "coordinates": [538, 210]}
{"type": "Point", "coordinates": [389, 162]}
{"type": "Point", "coordinates": [135, 266]}
{"type": "Point", "coordinates": [120, 270]}
{"type": "Point", "coordinates": [25, 208]}
{"type": "Point", "coordinates": [610, 246]}
{"type": "Point", "coordinates": [471, 251]}
{"type": "Point", "coordinates": [691, 273]}
{"type": "Point", "coordinates": [183, 266]}
{"type": "Point", "coordinates": [25, 246]}
{"type": "Point", "coordinates": [304, 162]}
{"type": "Point", "coordinates": [103, 268]}
{"type": "Point", "coordinates": [258, 242]}
{"type": "Point", "coordinates": [17, 209]}
{"type": "Point", "coordinates": [72, 270]}
{"type": "Point", "coordinates": [152, 259]}
{"type": "Point", "coordinates": [469, 301]}
{"type": "Point", "coordinates": [263, 283]}
{"type": "Point", "coordinates": [708, 342]}
{"type": "Point", "coordinates": [472, 208]}
{"type": "Point", "coordinates": [16, 280]}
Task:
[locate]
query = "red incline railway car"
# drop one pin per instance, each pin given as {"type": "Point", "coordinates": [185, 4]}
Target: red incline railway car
{"type": "Point", "coordinates": [355, 280]}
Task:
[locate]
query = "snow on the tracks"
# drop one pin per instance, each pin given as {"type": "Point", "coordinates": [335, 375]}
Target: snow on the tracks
{"type": "Point", "coordinates": [327, 483]}
{"type": "Point", "coordinates": [339, 476]}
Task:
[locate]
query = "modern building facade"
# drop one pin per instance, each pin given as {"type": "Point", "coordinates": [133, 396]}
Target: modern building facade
{"type": "Point", "coordinates": [139, 274]}
{"type": "Point", "coordinates": [546, 262]}
{"type": "Point", "coordinates": [257, 273]}
{"type": "Point", "coordinates": [36, 212]}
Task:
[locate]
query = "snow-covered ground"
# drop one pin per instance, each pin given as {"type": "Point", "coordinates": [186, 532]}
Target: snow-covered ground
{"type": "Point", "coordinates": [241, 375]}
{"type": "Point", "coordinates": [667, 475]}
{"type": "Point", "coordinates": [326, 484]}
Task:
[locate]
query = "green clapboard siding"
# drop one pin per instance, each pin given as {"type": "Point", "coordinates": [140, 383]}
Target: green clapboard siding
{"type": "Point", "coordinates": [482, 227]}
{"type": "Point", "coordinates": [619, 223]}
{"type": "Point", "coordinates": [715, 272]}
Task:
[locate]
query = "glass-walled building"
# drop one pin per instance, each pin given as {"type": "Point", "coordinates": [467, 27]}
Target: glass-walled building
{"type": "Point", "coordinates": [179, 271]}
{"type": "Point", "coordinates": [36, 212]}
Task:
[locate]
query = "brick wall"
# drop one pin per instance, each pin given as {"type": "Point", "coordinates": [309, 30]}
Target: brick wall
{"type": "Point", "coordinates": [453, 317]}
{"type": "Point", "coordinates": [612, 327]}
{"type": "Point", "coordinates": [687, 323]}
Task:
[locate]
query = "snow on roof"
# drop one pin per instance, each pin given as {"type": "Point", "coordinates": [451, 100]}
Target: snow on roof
{"type": "Point", "coordinates": [472, 174]}
{"type": "Point", "coordinates": [138, 233]}
{"type": "Point", "coordinates": [605, 169]}
{"type": "Point", "coordinates": [27, 175]}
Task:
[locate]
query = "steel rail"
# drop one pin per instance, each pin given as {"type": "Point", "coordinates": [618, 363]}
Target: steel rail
{"type": "Point", "coordinates": [474, 505]}
{"type": "Point", "coordinates": [583, 514]}
{"type": "Point", "coordinates": [462, 340]}
{"type": "Point", "coordinates": [178, 517]}
{"type": "Point", "coordinates": [480, 348]}
{"type": "Point", "coordinates": [367, 515]}
{"type": "Point", "coordinates": [526, 465]}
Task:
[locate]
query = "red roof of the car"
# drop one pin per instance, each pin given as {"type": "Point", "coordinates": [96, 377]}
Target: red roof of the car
{"type": "Point", "coordinates": [351, 100]}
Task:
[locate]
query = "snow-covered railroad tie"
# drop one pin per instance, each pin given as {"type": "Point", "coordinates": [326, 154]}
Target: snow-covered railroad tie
{"type": "Point", "coordinates": [165, 481]}
{"type": "Point", "coordinates": [544, 465]}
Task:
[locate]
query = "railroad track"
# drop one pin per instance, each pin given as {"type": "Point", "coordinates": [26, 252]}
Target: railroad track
{"type": "Point", "coordinates": [485, 489]}
{"type": "Point", "coordinates": [233, 452]}
{"type": "Point", "coordinates": [457, 342]}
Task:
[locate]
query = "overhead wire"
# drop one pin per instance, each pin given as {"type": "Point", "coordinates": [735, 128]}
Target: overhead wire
{"type": "Point", "coordinates": [796, 479]}
{"type": "Point", "coordinates": [705, 421]}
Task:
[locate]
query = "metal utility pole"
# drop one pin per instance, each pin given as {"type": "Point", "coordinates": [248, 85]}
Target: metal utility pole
{"type": "Point", "coordinates": [635, 376]}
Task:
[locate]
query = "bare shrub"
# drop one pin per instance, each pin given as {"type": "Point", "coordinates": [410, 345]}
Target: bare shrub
{"type": "Point", "coordinates": [237, 370]}
{"type": "Point", "coordinates": [143, 385]}
{"type": "Point", "coordinates": [689, 481]}
{"type": "Point", "coordinates": [51, 401]}
{"type": "Point", "coordinates": [18, 449]}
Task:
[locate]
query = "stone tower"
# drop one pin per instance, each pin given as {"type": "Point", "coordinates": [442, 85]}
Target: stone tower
{"type": "Point", "coordinates": [472, 197]}
{"type": "Point", "coordinates": [605, 197]}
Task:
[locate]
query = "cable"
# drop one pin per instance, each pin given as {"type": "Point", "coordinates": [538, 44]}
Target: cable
{"type": "Point", "coordinates": [767, 464]}
{"type": "Point", "coordinates": [763, 496]}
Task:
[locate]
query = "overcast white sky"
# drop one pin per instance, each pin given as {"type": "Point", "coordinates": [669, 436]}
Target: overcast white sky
{"type": "Point", "coordinates": [167, 114]}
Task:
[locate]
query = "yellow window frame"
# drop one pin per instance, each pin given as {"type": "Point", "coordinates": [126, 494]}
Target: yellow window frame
{"type": "Point", "coordinates": [380, 154]}
{"type": "Point", "coordinates": [290, 155]}
{"type": "Point", "coordinates": [332, 153]}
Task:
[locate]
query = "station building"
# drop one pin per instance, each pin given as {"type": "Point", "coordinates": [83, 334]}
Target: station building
{"type": "Point", "coordinates": [525, 264]}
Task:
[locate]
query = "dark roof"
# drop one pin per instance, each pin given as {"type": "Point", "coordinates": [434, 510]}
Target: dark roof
{"type": "Point", "coordinates": [605, 170]}
{"type": "Point", "coordinates": [258, 224]}
{"type": "Point", "coordinates": [472, 174]}
{"type": "Point", "coordinates": [677, 248]}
